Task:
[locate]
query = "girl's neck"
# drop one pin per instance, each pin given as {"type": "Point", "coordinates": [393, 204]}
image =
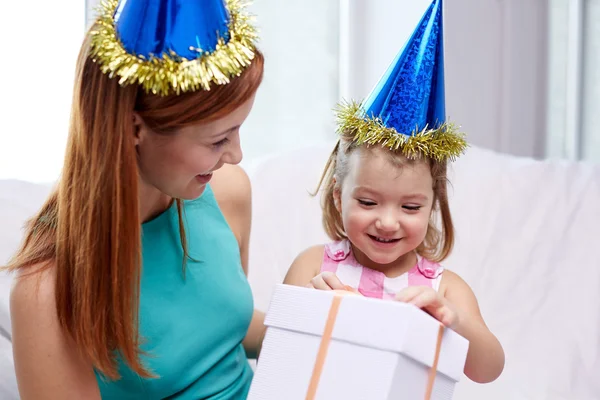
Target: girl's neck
{"type": "Point", "coordinates": [396, 268]}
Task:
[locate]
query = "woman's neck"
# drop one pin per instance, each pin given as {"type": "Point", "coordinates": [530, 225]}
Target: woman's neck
{"type": "Point", "coordinates": [153, 202]}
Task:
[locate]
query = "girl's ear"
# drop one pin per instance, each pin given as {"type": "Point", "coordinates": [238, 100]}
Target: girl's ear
{"type": "Point", "coordinates": [337, 193]}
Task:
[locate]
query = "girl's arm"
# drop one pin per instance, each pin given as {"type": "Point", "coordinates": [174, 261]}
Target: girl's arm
{"type": "Point", "coordinates": [456, 307]}
{"type": "Point", "coordinates": [485, 359]}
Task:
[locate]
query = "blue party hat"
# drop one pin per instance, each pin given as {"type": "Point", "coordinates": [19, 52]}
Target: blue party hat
{"type": "Point", "coordinates": [173, 46]}
{"type": "Point", "coordinates": [406, 109]}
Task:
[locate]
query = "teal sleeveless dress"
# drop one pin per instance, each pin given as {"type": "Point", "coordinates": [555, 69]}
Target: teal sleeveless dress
{"type": "Point", "coordinates": [193, 326]}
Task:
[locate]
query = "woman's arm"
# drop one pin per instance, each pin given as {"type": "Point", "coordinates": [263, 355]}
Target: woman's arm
{"type": "Point", "coordinates": [256, 333]}
{"type": "Point", "coordinates": [233, 193]}
{"type": "Point", "coordinates": [47, 363]}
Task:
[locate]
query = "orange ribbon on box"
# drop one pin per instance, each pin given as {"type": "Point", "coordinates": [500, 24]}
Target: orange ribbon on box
{"type": "Point", "coordinates": [326, 340]}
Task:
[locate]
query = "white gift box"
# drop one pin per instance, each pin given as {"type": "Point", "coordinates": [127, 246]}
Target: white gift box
{"type": "Point", "coordinates": [369, 349]}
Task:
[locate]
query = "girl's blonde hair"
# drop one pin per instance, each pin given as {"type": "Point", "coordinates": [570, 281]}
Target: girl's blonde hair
{"type": "Point", "coordinates": [438, 243]}
{"type": "Point", "coordinates": [90, 226]}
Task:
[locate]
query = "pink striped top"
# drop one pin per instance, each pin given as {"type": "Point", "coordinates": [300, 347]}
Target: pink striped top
{"type": "Point", "coordinates": [338, 258]}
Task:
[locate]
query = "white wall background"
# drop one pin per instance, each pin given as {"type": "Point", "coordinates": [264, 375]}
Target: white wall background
{"type": "Point", "coordinates": [299, 39]}
{"type": "Point", "coordinates": [40, 41]}
{"type": "Point", "coordinates": [506, 63]}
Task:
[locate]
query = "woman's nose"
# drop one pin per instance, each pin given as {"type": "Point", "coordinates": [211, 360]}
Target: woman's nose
{"type": "Point", "coordinates": [234, 154]}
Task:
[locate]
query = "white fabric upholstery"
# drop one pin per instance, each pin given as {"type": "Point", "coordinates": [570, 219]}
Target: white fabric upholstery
{"type": "Point", "coordinates": [526, 231]}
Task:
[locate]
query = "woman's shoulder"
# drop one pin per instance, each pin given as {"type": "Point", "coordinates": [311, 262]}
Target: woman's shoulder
{"type": "Point", "coordinates": [34, 286]}
{"type": "Point", "coordinates": [231, 187]}
{"type": "Point", "coordinates": [33, 298]}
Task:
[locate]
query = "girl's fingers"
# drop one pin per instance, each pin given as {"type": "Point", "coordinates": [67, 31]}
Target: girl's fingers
{"type": "Point", "coordinates": [333, 281]}
{"type": "Point", "coordinates": [408, 294]}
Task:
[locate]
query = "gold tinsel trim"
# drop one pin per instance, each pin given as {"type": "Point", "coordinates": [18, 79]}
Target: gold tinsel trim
{"type": "Point", "coordinates": [442, 143]}
{"type": "Point", "coordinates": [172, 74]}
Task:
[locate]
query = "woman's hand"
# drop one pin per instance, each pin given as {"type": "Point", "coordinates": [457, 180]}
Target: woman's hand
{"type": "Point", "coordinates": [432, 302]}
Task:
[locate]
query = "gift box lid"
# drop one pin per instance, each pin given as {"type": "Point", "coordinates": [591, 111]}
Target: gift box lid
{"type": "Point", "coordinates": [381, 324]}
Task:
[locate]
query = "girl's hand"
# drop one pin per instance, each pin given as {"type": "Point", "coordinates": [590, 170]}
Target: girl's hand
{"type": "Point", "coordinates": [432, 302]}
{"type": "Point", "coordinates": [326, 281]}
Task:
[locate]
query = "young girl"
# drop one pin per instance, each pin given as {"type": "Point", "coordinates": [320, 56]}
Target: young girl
{"type": "Point", "coordinates": [382, 191]}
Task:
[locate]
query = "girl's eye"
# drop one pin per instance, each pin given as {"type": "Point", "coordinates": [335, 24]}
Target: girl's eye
{"type": "Point", "coordinates": [221, 143]}
{"type": "Point", "coordinates": [412, 208]}
{"type": "Point", "coordinates": [367, 203]}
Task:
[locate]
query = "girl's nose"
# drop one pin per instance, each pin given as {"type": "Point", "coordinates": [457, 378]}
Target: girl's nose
{"type": "Point", "coordinates": [387, 223]}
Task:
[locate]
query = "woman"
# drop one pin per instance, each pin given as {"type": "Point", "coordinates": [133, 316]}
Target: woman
{"type": "Point", "coordinates": [131, 278]}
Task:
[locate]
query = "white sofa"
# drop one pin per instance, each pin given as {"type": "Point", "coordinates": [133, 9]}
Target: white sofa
{"type": "Point", "coordinates": [526, 234]}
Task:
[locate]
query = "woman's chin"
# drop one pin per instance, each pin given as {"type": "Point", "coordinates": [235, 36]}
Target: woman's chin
{"type": "Point", "coordinates": [194, 193]}
{"type": "Point", "coordinates": [191, 192]}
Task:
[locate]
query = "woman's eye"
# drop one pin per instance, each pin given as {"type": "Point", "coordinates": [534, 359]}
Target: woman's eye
{"type": "Point", "coordinates": [221, 143]}
{"type": "Point", "coordinates": [367, 203]}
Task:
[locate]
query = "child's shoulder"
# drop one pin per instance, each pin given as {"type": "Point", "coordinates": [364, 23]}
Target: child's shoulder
{"type": "Point", "coordinates": [312, 254]}
{"type": "Point", "coordinates": [305, 266]}
{"type": "Point", "coordinates": [452, 282]}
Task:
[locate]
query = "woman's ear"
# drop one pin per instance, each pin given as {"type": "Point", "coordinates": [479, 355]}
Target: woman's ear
{"type": "Point", "coordinates": [138, 127]}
